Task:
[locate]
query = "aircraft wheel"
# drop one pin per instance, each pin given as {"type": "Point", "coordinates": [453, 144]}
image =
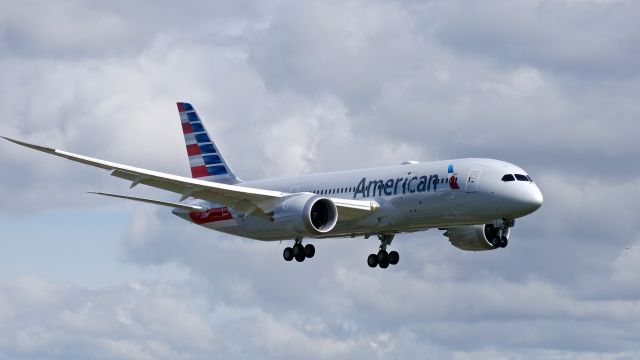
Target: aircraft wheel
{"type": "Point", "coordinates": [287, 254]}
{"type": "Point", "coordinates": [384, 264]}
{"type": "Point", "coordinates": [309, 251]}
{"type": "Point", "coordinates": [298, 249]}
{"type": "Point", "coordinates": [495, 242]}
{"type": "Point", "coordinates": [383, 256]}
{"type": "Point", "coordinates": [394, 257]}
{"type": "Point", "coordinates": [372, 260]}
{"type": "Point", "coordinates": [504, 242]}
{"type": "Point", "coordinates": [300, 257]}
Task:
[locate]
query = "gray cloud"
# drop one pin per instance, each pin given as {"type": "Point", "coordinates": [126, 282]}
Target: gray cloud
{"type": "Point", "coordinates": [287, 88]}
{"type": "Point", "coordinates": [580, 38]}
{"type": "Point", "coordinates": [133, 321]}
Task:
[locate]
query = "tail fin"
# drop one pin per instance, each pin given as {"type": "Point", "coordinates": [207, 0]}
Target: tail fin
{"type": "Point", "coordinates": [205, 160]}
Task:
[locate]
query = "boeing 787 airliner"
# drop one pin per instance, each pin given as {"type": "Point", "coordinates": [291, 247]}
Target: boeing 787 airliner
{"type": "Point", "coordinates": [476, 201]}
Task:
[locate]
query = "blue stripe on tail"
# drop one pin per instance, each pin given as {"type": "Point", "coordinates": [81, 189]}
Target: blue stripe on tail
{"type": "Point", "coordinates": [207, 162]}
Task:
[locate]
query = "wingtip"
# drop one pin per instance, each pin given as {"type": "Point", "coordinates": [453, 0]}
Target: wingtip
{"type": "Point", "coordinates": [29, 145]}
{"type": "Point", "coordinates": [15, 141]}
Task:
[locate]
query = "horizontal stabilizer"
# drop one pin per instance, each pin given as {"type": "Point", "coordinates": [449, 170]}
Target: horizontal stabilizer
{"type": "Point", "coordinates": [155, 202]}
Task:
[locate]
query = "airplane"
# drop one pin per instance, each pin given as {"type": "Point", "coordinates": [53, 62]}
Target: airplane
{"type": "Point", "coordinates": [474, 201]}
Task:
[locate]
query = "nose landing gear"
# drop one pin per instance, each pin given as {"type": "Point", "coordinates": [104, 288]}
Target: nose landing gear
{"type": "Point", "coordinates": [384, 258]}
{"type": "Point", "coordinates": [498, 234]}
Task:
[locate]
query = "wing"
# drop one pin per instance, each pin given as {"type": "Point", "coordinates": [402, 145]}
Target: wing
{"type": "Point", "coordinates": [240, 197]}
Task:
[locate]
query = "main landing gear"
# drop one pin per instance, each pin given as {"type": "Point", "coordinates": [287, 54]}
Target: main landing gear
{"type": "Point", "coordinates": [384, 258]}
{"type": "Point", "coordinates": [298, 251]}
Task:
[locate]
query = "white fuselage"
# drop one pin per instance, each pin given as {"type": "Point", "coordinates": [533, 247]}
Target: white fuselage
{"type": "Point", "coordinates": [412, 197]}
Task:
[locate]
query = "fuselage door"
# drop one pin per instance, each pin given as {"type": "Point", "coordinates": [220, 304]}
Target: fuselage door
{"type": "Point", "coordinates": [472, 180]}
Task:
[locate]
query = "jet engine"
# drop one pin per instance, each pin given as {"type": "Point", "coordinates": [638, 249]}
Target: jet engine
{"type": "Point", "coordinates": [306, 215]}
{"type": "Point", "coordinates": [478, 237]}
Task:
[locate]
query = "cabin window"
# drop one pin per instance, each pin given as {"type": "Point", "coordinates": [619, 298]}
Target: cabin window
{"type": "Point", "coordinates": [508, 177]}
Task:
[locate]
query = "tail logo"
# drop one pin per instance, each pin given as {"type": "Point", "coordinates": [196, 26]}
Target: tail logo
{"type": "Point", "coordinates": [204, 159]}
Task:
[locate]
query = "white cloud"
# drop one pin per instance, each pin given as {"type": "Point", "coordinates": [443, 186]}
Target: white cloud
{"type": "Point", "coordinates": [136, 321]}
{"type": "Point", "coordinates": [289, 88]}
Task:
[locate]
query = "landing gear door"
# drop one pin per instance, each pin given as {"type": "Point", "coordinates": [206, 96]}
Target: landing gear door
{"type": "Point", "coordinates": [472, 180]}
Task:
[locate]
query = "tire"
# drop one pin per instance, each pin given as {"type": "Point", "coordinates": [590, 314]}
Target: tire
{"type": "Point", "coordinates": [300, 257]}
{"type": "Point", "coordinates": [383, 256]}
{"type": "Point", "coordinates": [384, 264]}
{"type": "Point", "coordinates": [298, 249]}
{"type": "Point", "coordinates": [394, 257]}
{"type": "Point", "coordinates": [372, 260]}
{"type": "Point", "coordinates": [495, 242]}
{"type": "Point", "coordinates": [309, 251]}
{"type": "Point", "coordinates": [287, 254]}
{"type": "Point", "coordinates": [504, 242]}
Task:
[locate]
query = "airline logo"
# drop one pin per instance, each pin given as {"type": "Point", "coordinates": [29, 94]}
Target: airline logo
{"type": "Point", "coordinates": [404, 185]}
{"type": "Point", "coordinates": [204, 158]}
{"type": "Point", "coordinates": [453, 179]}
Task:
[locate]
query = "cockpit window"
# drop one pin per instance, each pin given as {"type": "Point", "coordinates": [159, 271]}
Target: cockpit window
{"type": "Point", "coordinates": [508, 177]}
{"type": "Point", "coordinates": [521, 177]}
{"type": "Point", "coordinates": [529, 177]}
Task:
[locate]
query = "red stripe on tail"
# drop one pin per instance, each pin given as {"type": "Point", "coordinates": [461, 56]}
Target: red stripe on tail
{"type": "Point", "coordinates": [193, 149]}
{"type": "Point", "coordinates": [186, 128]}
{"type": "Point", "coordinates": [199, 171]}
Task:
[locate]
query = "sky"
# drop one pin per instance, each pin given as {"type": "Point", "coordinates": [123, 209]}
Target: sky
{"type": "Point", "coordinates": [287, 88]}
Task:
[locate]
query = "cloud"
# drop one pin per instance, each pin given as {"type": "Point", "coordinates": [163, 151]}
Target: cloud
{"type": "Point", "coordinates": [288, 88]}
{"type": "Point", "coordinates": [582, 38]}
{"type": "Point", "coordinates": [455, 300]}
{"type": "Point", "coordinates": [133, 321]}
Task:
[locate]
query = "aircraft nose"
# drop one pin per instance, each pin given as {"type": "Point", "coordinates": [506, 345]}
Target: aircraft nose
{"type": "Point", "coordinates": [531, 200]}
{"type": "Point", "coordinates": [537, 199]}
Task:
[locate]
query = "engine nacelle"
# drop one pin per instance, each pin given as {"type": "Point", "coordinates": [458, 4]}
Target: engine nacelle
{"type": "Point", "coordinates": [476, 237]}
{"type": "Point", "coordinates": [306, 215]}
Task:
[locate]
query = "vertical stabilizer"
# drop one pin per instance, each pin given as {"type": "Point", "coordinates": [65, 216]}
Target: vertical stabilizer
{"type": "Point", "coordinates": [205, 159]}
